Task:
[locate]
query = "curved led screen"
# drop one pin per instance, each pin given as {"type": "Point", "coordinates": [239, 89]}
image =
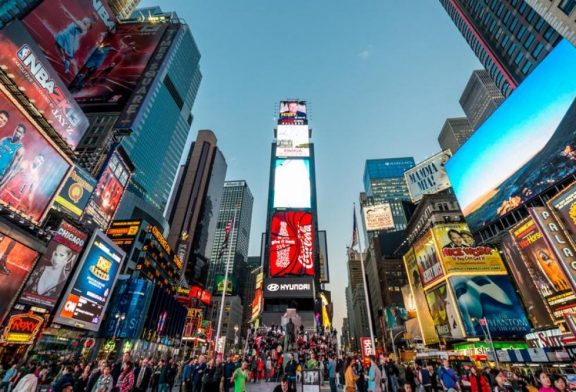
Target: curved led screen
{"type": "Point", "coordinates": [291, 244]}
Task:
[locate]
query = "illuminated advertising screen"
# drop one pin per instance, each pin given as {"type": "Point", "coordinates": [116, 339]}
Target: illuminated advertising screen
{"type": "Point", "coordinates": [460, 253]}
{"type": "Point", "coordinates": [524, 147]}
{"type": "Point", "coordinates": [293, 113]}
{"type": "Point", "coordinates": [31, 168]}
{"type": "Point", "coordinates": [291, 244]}
{"type": "Point", "coordinates": [112, 71]}
{"type": "Point", "coordinates": [21, 58]}
{"type": "Point", "coordinates": [429, 335]}
{"type": "Point", "coordinates": [204, 296]}
{"type": "Point", "coordinates": [89, 291]}
{"type": "Point", "coordinates": [292, 183]}
{"type": "Point", "coordinates": [74, 195]}
{"type": "Point", "coordinates": [443, 312]}
{"type": "Point", "coordinates": [564, 207]}
{"type": "Point", "coordinates": [230, 287]}
{"type": "Point", "coordinates": [378, 217]}
{"type": "Point", "coordinates": [494, 298]}
{"type": "Point", "coordinates": [292, 141]}
{"type": "Point", "coordinates": [428, 177]}
{"type": "Point", "coordinates": [427, 259]}
{"type": "Point", "coordinates": [124, 233]}
{"type": "Point", "coordinates": [256, 305]}
{"type": "Point", "coordinates": [109, 191]}
{"type": "Point", "coordinates": [395, 317]}
{"type": "Point", "coordinates": [16, 261]}
{"type": "Point", "coordinates": [68, 30]}
{"type": "Point", "coordinates": [51, 273]}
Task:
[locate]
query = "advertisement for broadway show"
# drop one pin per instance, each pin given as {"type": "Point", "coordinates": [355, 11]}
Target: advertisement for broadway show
{"type": "Point", "coordinates": [428, 260]}
{"type": "Point", "coordinates": [51, 273]}
{"type": "Point", "coordinates": [443, 311]}
{"type": "Point", "coordinates": [75, 193]}
{"type": "Point", "coordinates": [89, 290]}
{"type": "Point", "coordinates": [292, 183]}
{"type": "Point", "coordinates": [291, 244]}
{"type": "Point", "coordinates": [23, 60]}
{"type": "Point", "coordinates": [564, 208]}
{"type": "Point", "coordinates": [428, 177]}
{"type": "Point", "coordinates": [524, 147]}
{"type": "Point", "coordinates": [293, 113]}
{"type": "Point", "coordinates": [68, 31]}
{"type": "Point", "coordinates": [31, 169]}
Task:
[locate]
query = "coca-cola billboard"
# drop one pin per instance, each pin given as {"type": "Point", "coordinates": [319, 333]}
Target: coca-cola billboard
{"type": "Point", "coordinates": [291, 244]}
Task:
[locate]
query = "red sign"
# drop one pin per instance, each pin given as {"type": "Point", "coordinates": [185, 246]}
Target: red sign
{"type": "Point", "coordinates": [367, 349]}
{"type": "Point", "coordinates": [200, 294]}
{"type": "Point", "coordinates": [292, 244]}
{"type": "Point", "coordinates": [22, 328]}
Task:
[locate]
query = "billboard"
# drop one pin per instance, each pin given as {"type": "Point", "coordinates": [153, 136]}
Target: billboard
{"type": "Point", "coordinates": [106, 197]}
{"type": "Point", "coordinates": [293, 112]}
{"type": "Point", "coordinates": [256, 305]}
{"type": "Point", "coordinates": [68, 30]}
{"type": "Point", "coordinates": [428, 177]}
{"type": "Point", "coordinates": [494, 298]}
{"type": "Point", "coordinates": [460, 253]}
{"type": "Point", "coordinates": [292, 141]}
{"type": "Point", "coordinates": [289, 287]}
{"type": "Point", "coordinates": [564, 207]}
{"type": "Point", "coordinates": [443, 312]}
{"type": "Point", "coordinates": [74, 195]}
{"type": "Point", "coordinates": [323, 257]}
{"type": "Point", "coordinates": [112, 71]}
{"type": "Point", "coordinates": [31, 168]}
{"type": "Point", "coordinates": [292, 183]}
{"type": "Point", "coordinates": [16, 261]}
{"type": "Point", "coordinates": [24, 62]}
{"type": "Point", "coordinates": [427, 259]}
{"type": "Point", "coordinates": [51, 273]}
{"type": "Point", "coordinates": [124, 233]}
{"type": "Point", "coordinates": [291, 244]}
{"type": "Point", "coordinates": [230, 287]}
{"type": "Point", "coordinates": [378, 217]}
{"type": "Point", "coordinates": [524, 147]}
{"type": "Point", "coordinates": [89, 291]}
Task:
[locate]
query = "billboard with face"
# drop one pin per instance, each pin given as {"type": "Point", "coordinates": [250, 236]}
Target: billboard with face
{"type": "Point", "coordinates": [428, 177]}
{"type": "Point", "coordinates": [50, 275]}
{"type": "Point", "coordinates": [428, 260]}
{"type": "Point", "coordinates": [293, 113]}
{"type": "Point", "coordinates": [444, 312]}
{"type": "Point", "coordinates": [378, 217]}
{"type": "Point", "coordinates": [75, 193]}
{"type": "Point", "coordinates": [68, 30]}
{"type": "Point", "coordinates": [292, 141]}
{"type": "Point", "coordinates": [292, 183]}
{"type": "Point", "coordinates": [526, 146]}
{"type": "Point", "coordinates": [494, 298]}
{"type": "Point", "coordinates": [291, 244]}
{"type": "Point", "coordinates": [114, 67]}
{"type": "Point", "coordinates": [16, 261]}
{"type": "Point", "coordinates": [89, 291]}
{"type": "Point", "coordinates": [31, 168]}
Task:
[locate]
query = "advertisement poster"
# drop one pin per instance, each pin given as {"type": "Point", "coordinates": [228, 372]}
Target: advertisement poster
{"type": "Point", "coordinates": [367, 349]}
{"type": "Point", "coordinates": [16, 261]}
{"type": "Point", "coordinates": [291, 244]}
{"type": "Point", "coordinates": [527, 145]}
{"type": "Point", "coordinates": [112, 71]}
{"type": "Point", "coordinates": [22, 328]}
{"type": "Point", "coordinates": [494, 298]}
{"type": "Point", "coordinates": [75, 193]}
{"type": "Point", "coordinates": [31, 169]}
{"type": "Point", "coordinates": [292, 141]}
{"type": "Point", "coordinates": [428, 177]}
{"type": "Point", "coordinates": [292, 183]}
{"type": "Point", "coordinates": [230, 287]}
{"type": "Point", "coordinates": [395, 317]}
{"type": "Point", "coordinates": [90, 289]}
{"type": "Point", "coordinates": [428, 261]}
{"type": "Point", "coordinates": [429, 335]}
{"type": "Point", "coordinates": [378, 217]}
{"type": "Point", "coordinates": [443, 312]}
{"type": "Point", "coordinates": [51, 273]}
{"type": "Point", "coordinates": [564, 207]}
{"type": "Point", "coordinates": [293, 113]}
{"type": "Point", "coordinates": [21, 58]}
{"type": "Point", "coordinates": [460, 254]}
{"type": "Point", "coordinates": [256, 305]}
{"type": "Point", "coordinates": [68, 30]}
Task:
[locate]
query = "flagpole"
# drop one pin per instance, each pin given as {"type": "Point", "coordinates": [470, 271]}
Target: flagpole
{"type": "Point", "coordinates": [218, 329]}
{"type": "Point", "coordinates": [365, 284]}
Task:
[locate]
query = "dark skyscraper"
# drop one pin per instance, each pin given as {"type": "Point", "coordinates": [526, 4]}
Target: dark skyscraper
{"type": "Point", "coordinates": [480, 98]}
{"type": "Point", "coordinates": [454, 133]}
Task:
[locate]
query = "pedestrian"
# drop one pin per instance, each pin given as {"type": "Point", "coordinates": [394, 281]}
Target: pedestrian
{"type": "Point", "coordinates": [82, 380]}
{"type": "Point", "coordinates": [331, 366]}
{"type": "Point", "coordinates": [28, 383]}
{"type": "Point", "coordinates": [448, 377]}
{"type": "Point", "coordinates": [240, 377]}
{"type": "Point", "coordinates": [502, 384]}
{"type": "Point", "coordinates": [125, 381]}
{"type": "Point", "coordinates": [433, 378]}
{"type": "Point", "coordinates": [9, 378]}
{"type": "Point", "coordinates": [143, 376]}
{"type": "Point", "coordinates": [545, 382]}
{"type": "Point", "coordinates": [95, 375]}
{"type": "Point", "coordinates": [229, 368]}
{"type": "Point", "coordinates": [65, 377]}
{"type": "Point", "coordinates": [198, 374]}
{"type": "Point", "coordinates": [423, 377]}
{"type": "Point", "coordinates": [374, 376]}
{"type": "Point", "coordinates": [560, 383]}
{"type": "Point", "coordinates": [105, 382]}
{"type": "Point", "coordinates": [283, 386]}
{"type": "Point", "coordinates": [349, 377]}
{"type": "Point", "coordinates": [290, 370]}
{"type": "Point", "coordinates": [478, 382]}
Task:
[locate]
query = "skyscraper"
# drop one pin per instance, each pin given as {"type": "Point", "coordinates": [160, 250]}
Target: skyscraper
{"type": "Point", "coordinates": [13, 9]}
{"type": "Point", "coordinates": [454, 133]}
{"type": "Point", "coordinates": [508, 37]}
{"type": "Point", "coordinates": [480, 98]}
{"type": "Point", "coordinates": [123, 8]}
{"type": "Point", "coordinates": [560, 14]}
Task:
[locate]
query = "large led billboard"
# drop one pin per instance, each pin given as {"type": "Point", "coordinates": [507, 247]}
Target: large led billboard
{"type": "Point", "coordinates": [428, 177]}
{"type": "Point", "coordinates": [443, 311]}
{"type": "Point", "coordinates": [31, 168]}
{"type": "Point", "coordinates": [124, 233]}
{"type": "Point", "coordinates": [16, 261]}
{"type": "Point", "coordinates": [427, 258]}
{"type": "Point", "coordinates": [89, 291]}
{"type": "Point", "coordinates": [527, 145]}
{"type": "Point", "coordinates": [51, 273]}
{"type": "Point", "coordinates": [378, 217]}
{"type": "Point", "coordinates": [25, 64]}
{"type": "Point", "coordinates": [68, 31]}
{"type": "Point", "coordinates": [564, 207]}
{"type": "Point", "coordinates": [292, 183]}
{"type": "Point", "coordinates": [75, 193]}
{"type": "Point", "coordinates": [293, 112]}
{"type": "Point", "coordinates": [292, 141]}
{"type": "Point", "coordinates": [291, 244]}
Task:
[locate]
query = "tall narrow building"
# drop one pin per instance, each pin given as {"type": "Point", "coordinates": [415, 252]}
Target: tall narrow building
{"type": "Point", "coordinates": [480, 98]}
{"type": "Point", "coordinates": [454, 133]}
{"type": "Point", "coordinates": [123, 8]}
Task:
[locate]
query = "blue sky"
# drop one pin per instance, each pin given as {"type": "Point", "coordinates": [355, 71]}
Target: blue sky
{"type": "Point", "coordinates": [380, 77]}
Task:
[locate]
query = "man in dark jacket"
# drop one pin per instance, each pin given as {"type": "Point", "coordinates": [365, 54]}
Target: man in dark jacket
{"type": "Point", "coordinates": [290, 370]}
{"type": "Point", "coordinates": [142, 376]}
{"type": "Point", "coordinates": [198, 374]}
{"type": "Point", "coordinates": [65, 378]}
{"type": "Point", "coordinates": [163, 376]}
{"type": "Point", "coordinates": [229, 368]}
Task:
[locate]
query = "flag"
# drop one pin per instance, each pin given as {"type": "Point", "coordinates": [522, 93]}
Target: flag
{"type": "Point", "coordinates": [354, 231]}
{"type": "Point", "coordinates": [227, 231]}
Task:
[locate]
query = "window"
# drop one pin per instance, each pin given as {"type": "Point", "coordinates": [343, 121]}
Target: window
{"type": "Point", "coordinates": [504, 41]}
{"type": "Point", "coordinates": [526, 67]}
{"type": "Point", "coordinates": [511, 49]}
{"type": "Point", "coordinates": [548, 34]}
{"type": "Point", "coordinates": [539, 24]}
{"type": "Point", "coordinates": [522, 8]}
{"type": "Point", "coordinates": [529, 41]}
{"type": "Point", "coordinates": [521, 32]}
{"type": "Point", "coordinates": [567, 6]}
{"type": "Point", "coordinates": [531, 16]}
{"type": "Point", "coordinates": [537, 50]}
{"type": "Point", "coordinates": [507, 17]}
{"type": "Point", "coordinates": [513, 24]}
{"type": "Point", "coordinates": [500, 10]}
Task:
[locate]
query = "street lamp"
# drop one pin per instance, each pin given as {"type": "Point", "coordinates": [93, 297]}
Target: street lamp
{"type": "Point", "coordinates": [119, 318]}
{"type": "Point", "coordinates": [487, 336]}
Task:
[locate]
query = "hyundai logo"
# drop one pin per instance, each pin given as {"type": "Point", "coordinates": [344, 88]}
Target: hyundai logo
{"type": "Point", "coordinates": [273, 287]}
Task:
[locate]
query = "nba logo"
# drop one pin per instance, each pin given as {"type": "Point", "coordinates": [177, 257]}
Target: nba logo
{"type": "Point", "coordinates": [24, 52]}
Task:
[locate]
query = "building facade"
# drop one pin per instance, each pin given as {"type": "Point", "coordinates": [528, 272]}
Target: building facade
{"type": "Point", "coordinates": [123, 8]}
{"type": "Point", "coordinates": [560, 14]}
{"type": "Point", "coordinates": [454, 133]}
{"type": "Point", "coordinates": [481, 97]}
{"type": "Point", "coordinates": [231, 319]}
{"type": "Point", "coordinates": [13, 9]}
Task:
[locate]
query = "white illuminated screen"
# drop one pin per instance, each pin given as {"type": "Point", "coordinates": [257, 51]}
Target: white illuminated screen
{"type": "Point", "coordinates": [292, 183]}
{"type": "Point", "coordinates": [292, 141]}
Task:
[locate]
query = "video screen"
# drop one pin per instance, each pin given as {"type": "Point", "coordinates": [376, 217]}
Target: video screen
{"type": "Point", "coordinates": [292, 183]}
{"type": "Point", "coordinates": [293, 113]}
{"type": "Point", "coordinates": [291, 244]}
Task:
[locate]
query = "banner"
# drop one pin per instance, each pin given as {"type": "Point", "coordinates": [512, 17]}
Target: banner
{"type": "Point", "coordinates": [75, 193]}
{"type": "Point", "coordinates": [378, 217]}
{"type": "Point", "coordinates": [427, 258]}
{"type": "Point", "coordinates": [367, 349]}
{"type": "Point", "coordinates": [444, 312]}
{"type": "Point", "coordinates": [428, 177]}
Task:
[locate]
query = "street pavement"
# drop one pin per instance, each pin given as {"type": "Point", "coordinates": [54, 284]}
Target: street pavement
{"type": "Point", "coordinates": [269, 386]}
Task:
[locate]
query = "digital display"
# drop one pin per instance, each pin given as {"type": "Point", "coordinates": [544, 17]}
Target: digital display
{"type": "Point", "coordinates": [378, 217]}
{"type": "Point", "coordinates": [90, 289]}
{"type": "Point", "coordinates": [75, 193]}
{"type": "Point", "coordinates": [292, 141]}
{"type": "Point", "coordinates": [428, 177]}
{"type": "Point", "coordinates": [524, 147]}
{"type": "Point", "coordinates": [292, 183]}
{"type": "Point", "coordinates": [293, 113]}
{"type": "Point", "coordinates": [428, 261]}
{"type": "Point", "coordinates": [230, 286]}
{"type": "Point", "coordinates": [124, 233]}
{"type": "Point", "coordinates": [443, 311]}
{"type": "Point", "coordinates": [291, 244]}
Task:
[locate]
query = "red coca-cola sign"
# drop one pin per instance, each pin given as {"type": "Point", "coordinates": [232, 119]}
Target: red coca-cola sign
{"type": "Point", "coordinates": [291, 244]}
{"type": "Point", "coordinates": [22, 328]}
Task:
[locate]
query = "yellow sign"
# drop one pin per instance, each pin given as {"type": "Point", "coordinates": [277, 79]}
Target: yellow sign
{"type": "Point", "coordinates": [160, 238]}
{"type": "Point", "coordinates": [194, 313]}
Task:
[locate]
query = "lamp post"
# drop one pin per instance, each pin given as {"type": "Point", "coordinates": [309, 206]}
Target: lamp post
{"type": "Point", "coordinates": [236, 328]}
{"type": "Point", "coordinates": [487, 336]}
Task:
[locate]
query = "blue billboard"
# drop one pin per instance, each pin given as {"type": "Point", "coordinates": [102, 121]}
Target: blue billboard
{"type": "Point", "coordinates": [525, 147]}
